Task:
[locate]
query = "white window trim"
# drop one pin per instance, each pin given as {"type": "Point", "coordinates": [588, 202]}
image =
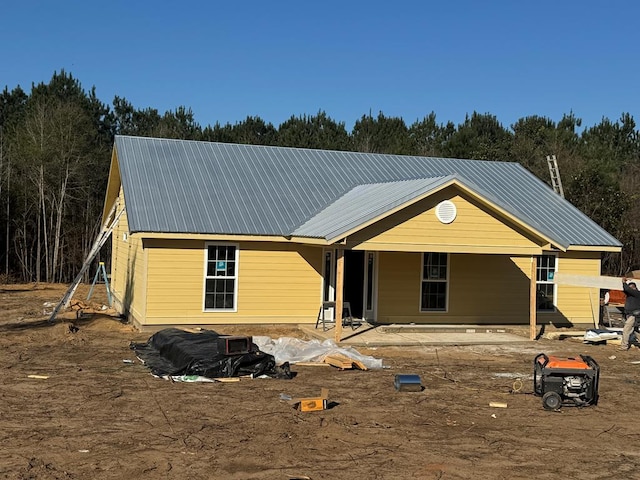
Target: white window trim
{"type": "Point", "coordinates": [235, 276]}
{"type": "Point", "coordinates": [547, 282]}
{"type": "Point", "coordinates": [446, 301]}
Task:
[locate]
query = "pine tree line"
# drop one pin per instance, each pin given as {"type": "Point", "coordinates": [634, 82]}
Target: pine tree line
{"type": "Point", "coordinates": [56, 142]}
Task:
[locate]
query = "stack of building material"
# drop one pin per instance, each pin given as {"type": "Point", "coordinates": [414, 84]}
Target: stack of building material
{"type": "Point", "coordinates": [343, 362]}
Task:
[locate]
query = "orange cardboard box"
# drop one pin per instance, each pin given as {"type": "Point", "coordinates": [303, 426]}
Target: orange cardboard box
{"type": "Point", "coordinates": [312, 404]}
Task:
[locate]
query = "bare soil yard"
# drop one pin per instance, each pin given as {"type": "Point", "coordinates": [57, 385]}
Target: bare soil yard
{"type": "Point", "coordinates": [96, 417]}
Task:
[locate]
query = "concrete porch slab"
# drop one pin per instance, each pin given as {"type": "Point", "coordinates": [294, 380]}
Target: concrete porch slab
{"type": "Point", "coordinates": [395, 335]}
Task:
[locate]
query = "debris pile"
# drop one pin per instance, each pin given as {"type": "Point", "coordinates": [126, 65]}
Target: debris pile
{"type": "Point", "coordinates": [173, 352]}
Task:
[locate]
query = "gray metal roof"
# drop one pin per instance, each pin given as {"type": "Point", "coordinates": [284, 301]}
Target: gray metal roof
{"type": "Point", "coordinates": [364, 203]}
{"type": "Point", "coordinates": [184, 186]}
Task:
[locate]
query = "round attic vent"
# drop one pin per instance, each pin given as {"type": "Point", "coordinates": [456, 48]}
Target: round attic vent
{"type": "Point", "coordinates": [446, 211]}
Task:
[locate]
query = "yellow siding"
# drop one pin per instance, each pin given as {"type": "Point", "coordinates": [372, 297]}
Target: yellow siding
{"type": "Point", "coordinates": [277, 283]}
{"type": "Point", "coordinates": [577, 305]}
{"type": "Point", "coordinates": [399, 288]}
{"type": "Point", "coordinates": [161, 282]}
{"type": "Point", "coordinates": [483, 289]}
{"type": "Point", "coordinates": [128, 269]}
{"type": "Point", "coordinates": [476, 229]}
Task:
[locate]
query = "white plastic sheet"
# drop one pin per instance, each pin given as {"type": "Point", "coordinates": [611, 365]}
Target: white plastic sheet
{"type": "Point", "coordinates": [600, 335]}
{"type": "Point", "coordinates": [294, 350]}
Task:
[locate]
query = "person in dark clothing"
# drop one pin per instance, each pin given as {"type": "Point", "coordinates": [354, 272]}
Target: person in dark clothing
{"type": "Point", "coordinates": [631, 311]}
{"type": "Point", "coordinates": [604, 310]}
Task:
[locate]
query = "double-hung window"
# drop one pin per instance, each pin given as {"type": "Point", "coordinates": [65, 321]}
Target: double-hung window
{"type": "Point", "coordinates": [545, 287]}
{"type": "Point", "coordinates": [221, 277]}
{"type": "Point", "coordinates": [435, 268]}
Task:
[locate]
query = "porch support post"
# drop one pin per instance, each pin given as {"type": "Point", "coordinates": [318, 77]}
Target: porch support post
{"type": "Point", "coordinates": [339, 290]}
{"type": "Point", "coordinates": [532, 298]}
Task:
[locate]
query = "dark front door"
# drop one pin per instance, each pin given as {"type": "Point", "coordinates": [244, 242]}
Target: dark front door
{"type": "Point", "coordinates": [354, 281]}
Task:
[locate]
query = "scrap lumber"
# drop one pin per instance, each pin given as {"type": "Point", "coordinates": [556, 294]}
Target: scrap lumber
{"type": "Point", "coordinates": [192, 329]}
{"type": "Point", "coordinates": [232, 379]}
{"type": "Point", "coordinates": [343, 362]}
{"type": "Point", "coordinates": [359, 365]}
{"type": "Point", "coordinates": [338, 361]}
{"type": "Point", "coordinates": [564, 334]}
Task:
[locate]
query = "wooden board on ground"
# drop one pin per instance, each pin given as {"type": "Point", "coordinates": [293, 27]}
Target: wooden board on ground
{"type": "Point", "coordinates": [192, 330]}
{"type": "Point", "coordinates": [343, 362]}
{"type": "Point", "coordinates": [561, 335]}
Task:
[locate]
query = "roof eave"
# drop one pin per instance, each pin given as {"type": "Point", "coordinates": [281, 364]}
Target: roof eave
{"type": "Point", "coordinates": [595, 248]}
{"type": "Point", "coordinates": [113, 185]}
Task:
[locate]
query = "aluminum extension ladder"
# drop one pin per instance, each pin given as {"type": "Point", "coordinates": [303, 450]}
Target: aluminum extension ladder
{"type": "Point", "coordinates": [556, 183]}
{"type": "Point", "coordinates": [104, 234]}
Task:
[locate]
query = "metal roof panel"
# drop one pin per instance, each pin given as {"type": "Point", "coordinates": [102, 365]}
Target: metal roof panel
{"type": "Point", "coordinates": [185, 186]}
{"type": "Point", "coordinates": [362, 204]}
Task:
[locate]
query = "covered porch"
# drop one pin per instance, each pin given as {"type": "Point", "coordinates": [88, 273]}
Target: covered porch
{"type": "Point", "coordinates": [429, 290]}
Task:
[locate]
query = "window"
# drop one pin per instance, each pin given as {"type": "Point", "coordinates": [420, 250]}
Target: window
{"type": "Point", "coordinates": [221, 277]}
{"type": "Point", "coordinates": [545, 288]}
{"type": "Point", "coordinates": [434, 282]}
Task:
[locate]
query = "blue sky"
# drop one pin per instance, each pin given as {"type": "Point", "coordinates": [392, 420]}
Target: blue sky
{"type": "Point", "coordinates": [275, 59]}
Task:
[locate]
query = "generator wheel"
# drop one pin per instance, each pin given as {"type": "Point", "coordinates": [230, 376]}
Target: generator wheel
{"type": "Point", "coordinates": [551, 401]}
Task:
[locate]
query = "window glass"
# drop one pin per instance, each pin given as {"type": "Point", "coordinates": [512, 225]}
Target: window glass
{"type": "Point", "coordinates": [220, 281]}
{"type": "Point", "coordinates": [545, 288]}
{"type": "Point", "coordinates": [434, 282]}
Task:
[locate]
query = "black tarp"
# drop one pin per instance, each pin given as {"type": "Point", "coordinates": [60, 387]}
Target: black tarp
{"type": "Point", "coordinates": [174, 352]}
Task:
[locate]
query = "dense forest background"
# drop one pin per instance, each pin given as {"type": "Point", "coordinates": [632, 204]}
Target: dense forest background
{"type": "Point", "coordinates": [56, 141]}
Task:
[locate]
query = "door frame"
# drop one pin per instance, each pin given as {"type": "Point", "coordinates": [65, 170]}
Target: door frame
{"type": "Point", "coordinates": [369, 285]}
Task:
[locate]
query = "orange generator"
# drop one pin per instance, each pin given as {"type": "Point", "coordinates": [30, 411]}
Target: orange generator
{"type": "Point", "coordinates": [566, 381]}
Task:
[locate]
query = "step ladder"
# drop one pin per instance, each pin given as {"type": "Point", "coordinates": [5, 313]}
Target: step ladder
{"type": "Point", "coordinates": [556, 183]}
{"type": "Point", "coordinates": [105, 280]}
{"type": "Point", "coordinates": [110, 222]}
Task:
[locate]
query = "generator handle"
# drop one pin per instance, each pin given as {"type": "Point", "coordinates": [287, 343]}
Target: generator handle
{"type": "Point", "coordinates": [541, 355]}
{"type": "Point", "coordinates": [589, 360]}
{"type": "Point", "coordinates": [539, 363]}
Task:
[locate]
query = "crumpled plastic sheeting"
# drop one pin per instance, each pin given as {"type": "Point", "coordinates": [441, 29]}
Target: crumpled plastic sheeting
{"type": "Point", "coordinates": [293, 350]}
{"type": "Point", "coordinates": [600, 335]}
{"type": "Point", "coordinates": [175, 352]}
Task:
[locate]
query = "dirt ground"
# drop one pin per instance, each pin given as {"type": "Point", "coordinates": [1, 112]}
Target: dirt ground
{"type": "Point", "coordinates": [97, 417]}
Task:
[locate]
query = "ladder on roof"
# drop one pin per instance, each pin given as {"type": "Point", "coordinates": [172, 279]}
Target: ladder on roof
{"type": "Point", "coordinates": [556, 183]}
{"type": "Point", "coordinates": [104, 234]}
